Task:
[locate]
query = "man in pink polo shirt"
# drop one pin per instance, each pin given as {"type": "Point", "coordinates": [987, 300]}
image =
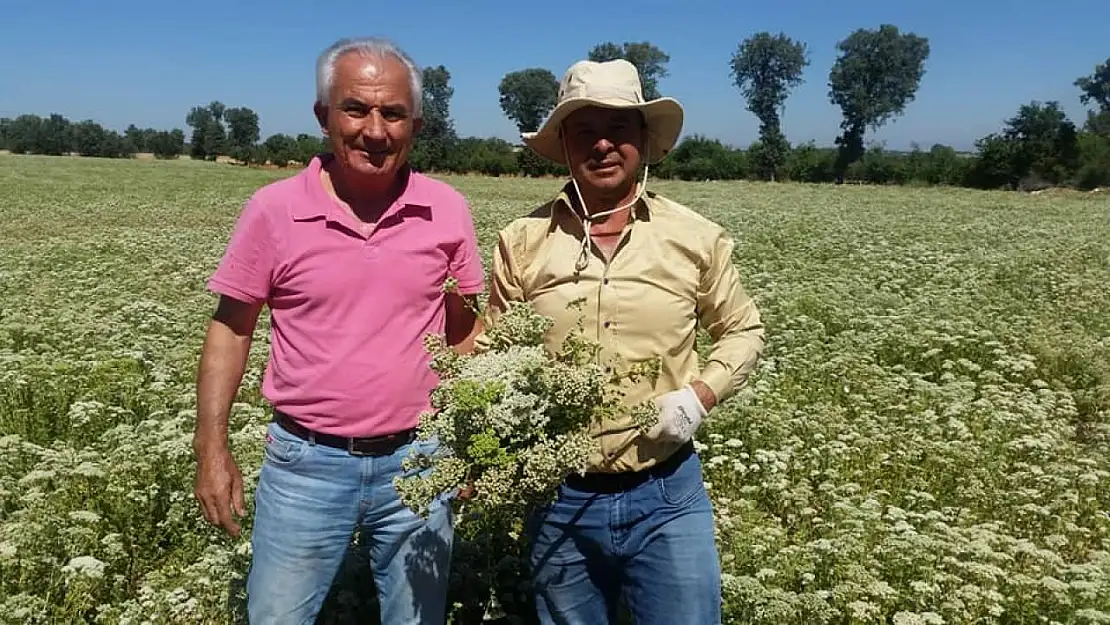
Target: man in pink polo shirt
{"type": "Point", "coordinates": [350, 256]}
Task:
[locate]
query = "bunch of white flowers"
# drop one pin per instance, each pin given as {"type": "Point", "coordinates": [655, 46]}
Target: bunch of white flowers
{"type": "Point", "coordinates": [513, 419]}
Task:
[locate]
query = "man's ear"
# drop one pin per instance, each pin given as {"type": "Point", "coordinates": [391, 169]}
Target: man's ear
{"type": "Point", "coordinates": [321, 113]}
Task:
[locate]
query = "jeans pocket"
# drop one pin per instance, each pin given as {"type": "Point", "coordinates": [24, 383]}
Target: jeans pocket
{"type": "Point", "coordinates": [682, 485]}
{"type": "Point", "coordinates": [282, 448]}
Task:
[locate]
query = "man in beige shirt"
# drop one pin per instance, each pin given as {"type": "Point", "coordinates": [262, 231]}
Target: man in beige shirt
{"type": "Point", "coordinates": [639, 525]}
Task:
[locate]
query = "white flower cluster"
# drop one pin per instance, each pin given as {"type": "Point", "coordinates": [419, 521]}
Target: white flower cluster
{"type": "Point", "coordinates": [513, 419]}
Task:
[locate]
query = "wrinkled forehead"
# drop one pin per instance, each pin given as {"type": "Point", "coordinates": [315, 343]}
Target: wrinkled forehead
{"type": "Point", "coordinates": [357, 67]}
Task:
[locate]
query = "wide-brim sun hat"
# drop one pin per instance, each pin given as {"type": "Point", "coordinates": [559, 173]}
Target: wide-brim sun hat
{"type": "Point", "coordinates": [608, 84]}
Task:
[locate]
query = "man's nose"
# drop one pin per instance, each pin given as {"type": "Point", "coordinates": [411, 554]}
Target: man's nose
{"type": "Point", "coordinates": [603, 145]}
{"type": "Point", "coordinates": [374, 128]}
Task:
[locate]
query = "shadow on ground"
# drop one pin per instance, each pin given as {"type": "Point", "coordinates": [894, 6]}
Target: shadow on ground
{"type": "Point", "coordinates": [485, 589]}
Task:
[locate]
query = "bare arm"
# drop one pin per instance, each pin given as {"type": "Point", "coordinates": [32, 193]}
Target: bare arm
{"type": "Point", "coordinates": [223, 360]}
{"type": "Point", "coordinates": [463, 325]}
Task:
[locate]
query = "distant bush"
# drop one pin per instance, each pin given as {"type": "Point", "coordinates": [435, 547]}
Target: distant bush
{"type": "Point", "coordinates": [1037, 148]}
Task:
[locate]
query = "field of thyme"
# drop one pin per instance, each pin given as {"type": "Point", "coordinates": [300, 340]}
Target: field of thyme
{"type": "Point", "coordinates": [927, 439]}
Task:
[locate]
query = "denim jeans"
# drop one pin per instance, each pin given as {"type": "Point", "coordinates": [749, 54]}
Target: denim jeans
{"type": "Point", "coordinates": [651, 546]}
{"type": "Point", "coordinates": [309, 501]}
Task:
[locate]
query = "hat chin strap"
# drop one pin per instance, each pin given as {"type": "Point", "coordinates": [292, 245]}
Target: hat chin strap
{"type": "Point", "coordinates": [584, 253]}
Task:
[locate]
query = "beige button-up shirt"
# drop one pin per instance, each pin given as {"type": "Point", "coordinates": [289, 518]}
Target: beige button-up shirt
{"type": "Point", "coordinates": [671, 271]}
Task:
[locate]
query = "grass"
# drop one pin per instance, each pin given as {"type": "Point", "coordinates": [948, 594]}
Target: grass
{"type": "Point", "coordinates": [927, 439]}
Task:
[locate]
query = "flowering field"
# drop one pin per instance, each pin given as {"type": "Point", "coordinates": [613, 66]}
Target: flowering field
{"type": "Point", "coordinates": [926, 441]}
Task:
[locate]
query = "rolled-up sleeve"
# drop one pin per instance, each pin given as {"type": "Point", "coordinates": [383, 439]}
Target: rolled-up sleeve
{"type": "Point", "coordinates": [731, 318]}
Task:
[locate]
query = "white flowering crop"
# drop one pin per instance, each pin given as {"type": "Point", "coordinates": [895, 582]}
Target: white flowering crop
{"type": "Point", "coordinates": [926, 440]}
{"type": "Point", "coordinates": [514, 419]}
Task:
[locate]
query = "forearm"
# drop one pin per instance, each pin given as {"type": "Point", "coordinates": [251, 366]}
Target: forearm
{"type": "Point", "coordinates": [463, 324]}
{"type": "Point", "coordinates": [731, 362]}
{"type": "Point", "coordinates": [705, 394]}
{"type": "Point", "coordinates": [736, 350]}
{"type": "Point", "coordinates": [222, 364]}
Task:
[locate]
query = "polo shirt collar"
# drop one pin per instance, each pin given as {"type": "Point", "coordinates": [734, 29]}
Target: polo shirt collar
{"type": "Point", "coordinates": [416, 192]}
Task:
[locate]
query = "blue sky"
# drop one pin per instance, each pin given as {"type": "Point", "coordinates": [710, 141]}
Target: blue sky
{"type": "Point", "coordinates": [988, 57]}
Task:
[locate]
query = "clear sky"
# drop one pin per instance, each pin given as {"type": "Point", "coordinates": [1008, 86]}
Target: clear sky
{"type": "Point", "coordinates": [126, 61]}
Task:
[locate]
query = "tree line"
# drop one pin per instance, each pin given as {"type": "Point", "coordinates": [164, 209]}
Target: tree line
{"type": "Point", "coordinates": [874, 78]}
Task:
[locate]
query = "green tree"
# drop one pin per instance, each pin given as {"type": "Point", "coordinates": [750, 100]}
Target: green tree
{"type": "Point", "coordinates": [136, 138]}
{"type": "Point", "coordinates": [167, 145]}
{"type": "Point", "coordinates": [1046, 142]}
{"type": "Point", "coordinates": [280, 149]}
{"type": "Point", "coordinates": [55, 137]}
{"type": "Point", "coordinates": [308, 147]}
{"type": "Point", "coordinates": [437, 138]}
{"type": "Point", "coordinates": [527, 96]}
{"type": "Point", "coordinates": [88, 138]}
{"type": "Point", "coordinates": [765, 68]}
{"type": "Point", "coordinates": [1094, 156]}
{"type": "Point", "coordinates": [1098, 123]}
{"type": "Point", "coordinates": [209, 137]}
{"type": "Point", "coordinates": [649, 60]}
{"type": "Point", "coordinates": [141, 139]}
{"type": "Point", "coordinates": [490, 157]}
{"type": "Point", "coordinates": [243, 132]}
{"type": "Point", "coordinates": [874, 78]}
{"type": "Point", "coordinates": [23, 134]}
{"type": "Point", "coordinates": [1037, 147]}
{"type": "Point", "coordinates": [1096, 87]}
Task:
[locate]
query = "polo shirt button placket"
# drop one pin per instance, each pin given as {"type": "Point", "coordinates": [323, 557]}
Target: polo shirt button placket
{"type": "Point", "coordinates": [368, 247]}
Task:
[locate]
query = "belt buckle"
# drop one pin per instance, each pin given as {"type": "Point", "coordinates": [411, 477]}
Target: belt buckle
{"type": "Point", "coordinates": [351, 448]}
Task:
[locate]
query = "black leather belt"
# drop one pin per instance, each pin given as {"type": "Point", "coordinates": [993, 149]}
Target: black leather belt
{"type": "Point", "coordinates": [599, 482]}
{"type": "Point", "coordinates": [369, 446]}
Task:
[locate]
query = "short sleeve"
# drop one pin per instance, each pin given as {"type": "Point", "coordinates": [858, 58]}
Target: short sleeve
{"type": "Point", "coordinates": [247, 267]}
{"type": "Point", "coordinates": [466, 263]}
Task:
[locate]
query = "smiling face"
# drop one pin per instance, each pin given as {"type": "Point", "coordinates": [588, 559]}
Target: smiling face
{"type": "Point", "coordinates": [368, 118]}
{"type": "Point", "coordinates": [604, 147]}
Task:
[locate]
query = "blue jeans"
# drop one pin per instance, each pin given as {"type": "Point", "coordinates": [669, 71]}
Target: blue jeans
{"type": "Point", "coordinates": [309, 501]}
{"type": "Point", "coordinates": [651, 545]}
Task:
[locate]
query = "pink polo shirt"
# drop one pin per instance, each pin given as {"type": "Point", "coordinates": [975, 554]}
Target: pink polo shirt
{"type": "Point", "coordinates": [349, 306]}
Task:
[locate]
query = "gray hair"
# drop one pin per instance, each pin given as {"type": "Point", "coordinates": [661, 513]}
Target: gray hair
{"type": "Point", "coordinates": [375, 47]}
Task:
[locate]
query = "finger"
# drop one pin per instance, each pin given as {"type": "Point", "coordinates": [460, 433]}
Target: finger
{"type": "Point", "coordinates": [215, 507]}
{"type": "Point", "coordinates": [226, 520]}
{"type": "Point", "coordinates": [208, 509]}
{"type": "Point", "coordinates": [237, 498]}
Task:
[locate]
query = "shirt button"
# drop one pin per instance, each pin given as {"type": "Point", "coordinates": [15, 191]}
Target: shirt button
{"type": "Point", "coordinates": [605, 281]}
{"type": "Point", "coordinates": [606, 324]}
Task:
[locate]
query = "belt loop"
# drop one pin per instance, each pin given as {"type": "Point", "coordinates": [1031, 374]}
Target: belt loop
{"type": "Point", "coordinates": [312, 438]}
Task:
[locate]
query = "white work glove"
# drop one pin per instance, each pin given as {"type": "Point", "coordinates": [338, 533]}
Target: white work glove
{"type": "Point", "coordinates": [680, 415]}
